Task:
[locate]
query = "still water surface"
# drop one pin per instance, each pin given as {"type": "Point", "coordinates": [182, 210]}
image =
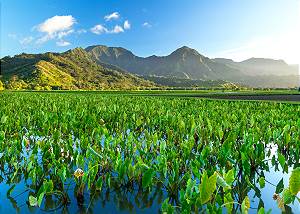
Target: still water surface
{"type": "Point", "coordinates": [130, 200]}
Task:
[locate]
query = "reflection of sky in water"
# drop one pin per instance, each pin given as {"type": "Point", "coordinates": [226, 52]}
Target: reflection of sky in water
{"type": "Point", "coordinates": [7, 205]}
{"type": "Point", "coordinates": [268, 191]}
{"type": "Point", "coordinates": [126, 202]}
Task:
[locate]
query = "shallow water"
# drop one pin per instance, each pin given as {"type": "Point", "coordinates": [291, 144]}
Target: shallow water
{"type": "Point", "coordinates": [129, 200]}
{"type": "Point", "coordinates": [126, 200]}
{"type": "Point", "coordinates": [267, 192]}
{"type": "Point", "coordinates": [106, 201]}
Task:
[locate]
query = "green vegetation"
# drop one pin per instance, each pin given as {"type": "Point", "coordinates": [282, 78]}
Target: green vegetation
{"type": "Point", "coordinates": [1, 86]}
{"type": "Point", "coordinates": [183, 63]}
{"type": "Point", "coordinates": [205, 155]}
{"type": "Point", "coordinates": [185, 66]}
{"type": "Point", "coordinates": [110, 68]}
{"type": "Point", "coordinates": [189, 83]}
{"type": "Point", "coordinates": [71, 70]}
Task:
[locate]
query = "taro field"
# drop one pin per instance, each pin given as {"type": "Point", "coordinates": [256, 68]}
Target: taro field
{"type": "Point", "coordinates": [111, 153]}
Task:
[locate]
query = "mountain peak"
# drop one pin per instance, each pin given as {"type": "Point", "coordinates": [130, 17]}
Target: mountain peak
{"type": "Point", "coordinates": [109, 51]}
{"type": "Point", "coordinates": [185, 47]}
{"type": "Point", "coordinates": [185, 50]}
{"type": "Point", "coordinates": [89, 48]}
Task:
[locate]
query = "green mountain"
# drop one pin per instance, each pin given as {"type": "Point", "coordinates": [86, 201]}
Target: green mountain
{"type": "Point", "coordinates": [184, 63]}
{"type": "Point", "coordinates": [102, 67]}
{"type": "Point", "coordinates": [74, 69]}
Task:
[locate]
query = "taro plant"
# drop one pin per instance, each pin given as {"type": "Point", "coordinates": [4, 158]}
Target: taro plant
{"type": "Point", "coordinates": [193, 155]}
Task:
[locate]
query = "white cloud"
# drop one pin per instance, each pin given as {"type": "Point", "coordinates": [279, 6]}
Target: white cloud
{"type": "Point", "coordinates": [127, 25]}
{"type": "Point", "coordinates": [44, 39]}
{"type": "Point", "coordinates": [62, 43]}
{"type": "Point", "coordinates": [117, 29]}
{"type": "Point", "coordinates": [147, 24]}
{"type": "Point", "coordinates": [99, 29]}
{"type": "Point", "coordinates": [55, 27]}
{"type": "Point", "coordinates": [62, 34]}
{"type": "Point", "coordinates": [26, 40]}
{"type": "Point", "coordinates": [56, 24]}
{"type": "Point", "coordinates": [114, 15]}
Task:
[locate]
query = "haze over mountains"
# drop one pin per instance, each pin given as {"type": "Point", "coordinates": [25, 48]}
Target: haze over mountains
{"type": "Point", "coordinates": [187, 63]}
{"type": "Point", "coordinates": [102, 67]}
{"type": "Point", "coordinates": [261, 66]}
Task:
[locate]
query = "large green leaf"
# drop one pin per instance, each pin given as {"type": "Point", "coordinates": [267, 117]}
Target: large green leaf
{"type": "Point", "coordinates": [40, 198]}
{"type": "Point", "coordinates": [166, 207]}
{"type": "Point", "coordinates": [245, 205]}
{"type": "Point", "coordinates": [281, 160]}
{"type": "Point", "coordinates": [189, 188]}
{"type": "Point", "coordinates": [262, 182]}
{"type": "Point", "coordinates": [294, 182]}
{"type": "Point", "coordinates": [147, 178]}
{"type": "Point", "coordinates": [261, 211]}
{"type": "Point", "coordinates": [3, 119]}
{"type": "Point", "coordinates": [229, 177]}
{"type": "Point", "coordinates": [99, 183]}
{"type": "Point", "coordinates": [280, 186]}
{"type": "Point", "coordinates": [221, 182]}
{"type": "Point", "coordinates": [287, 196]}
{"type": "Point", "coordinates": [228, 201]}
{"type": "Point", "coordinates": [48, 186]}
{"type": "Point", "coordinates": [207, 187]}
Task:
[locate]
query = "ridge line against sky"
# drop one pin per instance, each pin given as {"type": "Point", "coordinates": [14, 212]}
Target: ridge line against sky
{"type": "Point", "coordinates": [228, 29]}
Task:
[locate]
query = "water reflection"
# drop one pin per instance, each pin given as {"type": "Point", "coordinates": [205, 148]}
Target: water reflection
{"type": "Point", "coordinates": [127, 200]}
{"type": "Point", "coordinates": [133, 199]}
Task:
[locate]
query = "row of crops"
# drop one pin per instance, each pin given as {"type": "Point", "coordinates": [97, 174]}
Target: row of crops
{"type": "Point", "coordinates": [204, 156]}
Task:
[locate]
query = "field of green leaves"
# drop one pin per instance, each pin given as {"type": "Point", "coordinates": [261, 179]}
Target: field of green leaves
{"type": "Point", "coordinates": [185, 155]}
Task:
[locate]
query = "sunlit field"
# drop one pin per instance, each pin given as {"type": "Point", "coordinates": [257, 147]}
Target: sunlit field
{"type": "Point", "coordinates": [70, 151]}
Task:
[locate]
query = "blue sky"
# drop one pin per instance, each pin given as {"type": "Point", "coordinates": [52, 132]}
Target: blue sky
{"type": "Point", "coordinates": [216, 28]}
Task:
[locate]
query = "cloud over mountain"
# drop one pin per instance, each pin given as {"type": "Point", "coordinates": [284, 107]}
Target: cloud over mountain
{"type": "Point", "coordinates": [99, 29]}
{"type": "Point", "coordinates": [55, 27]}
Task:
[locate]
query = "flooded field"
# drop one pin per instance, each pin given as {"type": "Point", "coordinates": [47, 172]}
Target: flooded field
{"type": "Point", "coordinates": [113, 154]}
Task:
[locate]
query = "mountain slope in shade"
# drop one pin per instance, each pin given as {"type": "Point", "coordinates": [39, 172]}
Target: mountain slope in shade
{"type": "Point", "coordinates": [182, 63]}
{"type": "Point", "coordinates": [74, 69]}
{"type": "Point", "coordinates": [187, 63]}
{"type": "Point", "coordinates": [102, 67]}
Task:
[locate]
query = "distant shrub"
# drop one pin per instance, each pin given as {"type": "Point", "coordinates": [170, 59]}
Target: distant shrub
{"type": "Point", "coordinates": [1, 86]}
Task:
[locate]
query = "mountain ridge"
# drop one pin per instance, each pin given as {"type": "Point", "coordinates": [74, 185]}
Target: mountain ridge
{"type": "Point", "coordinates": [188, 63]}
{"type": "Point", "coordinates": [103, 67]}
{"type": "Point", "coordinates": [73, 69]}
{"type": "Point", "coordinates": [184, 62]}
